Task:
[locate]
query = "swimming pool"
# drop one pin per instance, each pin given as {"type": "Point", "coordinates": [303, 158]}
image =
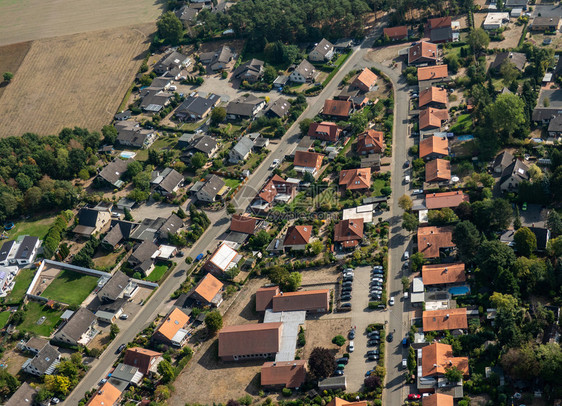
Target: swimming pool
{"type": "Point", "coordinates": [128, 154]}
{"type": "Point", "coordinates": [465, 137]}
{"type": "Point", "coordinates": [459, 290]}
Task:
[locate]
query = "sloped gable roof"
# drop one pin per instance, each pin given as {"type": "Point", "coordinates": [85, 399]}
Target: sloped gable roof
{"type": "Point", "coordinates": [297, 235]}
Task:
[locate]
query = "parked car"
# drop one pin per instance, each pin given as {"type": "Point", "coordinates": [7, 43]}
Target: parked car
{"type": "Point", "coordinates": [377, 272]}
{"type": "Point", "coordinates": [407, 164]}
{"type": "Point", "coordinates": [103, 381]}
{"type": "Point", "coordinates": [373, 357]}
{"type": "Point", "coordinates": [405, 342]}
{"type": "Point", "coordinates": [391, 301]}
{"type": "Point", "coordinates": [338, 372]}
{"type": "Point", "coordinates": [124, 316]}
{"type": "Point", "coordinates": [373, 352]}
{"type": "Point", "coordinates": [348, 270]}
{"type": "Point", "coordinates": [345, 307]}
{"type": "Point", "coordinates": [345, 298]}
{"type": "Point", "coordinates": [373, 342]}
{"type": "Point", "coordinates": [417, 192]}
{"type": "Point", "coordinates": [377, 279]}
{"type": "Point", "coordinates": [404, 363]}
{"type": "Point", "coordinates": [55, 401]}
{"type": "Point", "coordinates": [351, 346]}
{"type": "Point", "coordinates": [376, 283]}
{"type": "Point", "coordinates": [347, 283]}
{"type": "Point", "coordinates": [374, 334]}
{"type": "Point", "coordinates": [351, 334]}
{"type": "Point", "coordinates": [406, 255]}
{"type": "Point", "coordinates": [274, 164]}
{"type": "Point", "coordinates": [347, 289]}
{"type": "Point", "coordinates": [390, 337]}
{"type": "Point", "coordinates": [121, 348]}
{"type": "Point", "coordinates": [407, 179]}
{"type": "Point", "coordinates": [348, 273]}
{"type": "Point", "coordinates": [348, 278]}
{"type": "Point", "coordinates": [342, 360]}
{"type": "Point", "coordinates": [414, 396]}
{"type": "Point", "coordinates": [340, 366]}
{"type": "Point", "coordinates": [369, 372]}
{"type": "Point", "coordinates": [199, 257]}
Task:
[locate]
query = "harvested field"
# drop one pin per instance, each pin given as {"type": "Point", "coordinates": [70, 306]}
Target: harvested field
{"type": "Point", "coordinates": [76, 80]}
{"type": "Point", "coordinates": [11, 57]}
{"type": "Point", "coordinates": [26, 20]}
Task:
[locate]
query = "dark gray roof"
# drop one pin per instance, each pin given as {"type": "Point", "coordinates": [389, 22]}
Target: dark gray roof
{"type": "Point", "coordinates": [244, 146]}
{"type": "Point", "coordinates": [504, 160]}
{"type": "Point", "coordinates": [518, 59]}
{"type": "Point", "coordinates": [172, 60]}
{"type": "Point", "coordinates": [6, 247]}
{"type": "Point", "coordinates": [516, 3]}
{"type": "Point", "coordinates": [147, 230]}
{"type": "Point", "coordinates": [305, 68]}
{"type": "Point", "coordinates": [517, 169]}
{"type": "Point", "coordinates": [79, 323]}
{"type": "Point", "coordinates": [44, 360]}
{"type": "Point", "coordinates": [223, 55]}
{"type": "Point", "coordinates": [280, 107]}
{"type": "Point", "coordinates": [120, 230]}
{"type": "Point", "coordinates": [167, 180]}
{"type": "Point", "coordinates": [88, 217]}
{"type": "Point", "coordinates": [203, 143]}
{"type": "Point", "coordinates": [26, 247]}
{"type": "Point", "coordinates": [213, 185]}
{"type": "Point", "coordinates": [545, 113]}
{"type": "Point", "coordinates": [132, 135]}
{"type": "Point", "coordinates": [543, 235]}
{"type": "Point", "coordinates": [343, 43]}
{"type": "Point", "coordinates": [253, 68]}
{"type": "Point", "coordinates": [160, 82]}
{"type": "Point", "coordinates": [244, 106]}
{"type": "Point", "coordinates": [114, 286]}
{"type": "Point", "coordinates": [113, 307]}
{"type": "Point", "coordinates": [143, 252]}
{"type": "Point", "coordinates": [112, 172]}
{"type": "Point", "coordinates": [187, 14]}
{"type": "Point", "coordinates": [558, 68]}
{"type": "Point", "coordinates": [154, 97]}
{"type": "Point", "coordinates": [441, 34]}
{"type": "Point", "coordinates": [123, 115]}
{"type": "Point", "coordinates": [25, 395]}
{"type": "Point", "coordinates": [556, 124]}
{"type": "Point", "coordinates": [144, 266]}
{"type": "Point", "coordinates": [124, 372]}
{"type": "Point", "coordinates": [197, 105]}
{"type": "Point", "coordinates": [170, 226]}
{"type": "Point", "coordinates": [324, 47]}
{"type": "Point", "coordinates": [545, 21]}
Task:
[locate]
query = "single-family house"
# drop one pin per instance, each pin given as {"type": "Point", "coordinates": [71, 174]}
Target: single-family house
{"type": "Point", "coordinates": [187, 15]}
{"type": "Point", "coordinates": [153, 100]}
{"type": "Point", "coordinates": [349, 233]}
{"type": "Point", "coordinates": [304, 73]}
{"type": "Point", "coordinates": [250, 341]}
{"type": "Point", "coordinates": [341, 109]}
{"type": "Point", "coordinates": [243, 223]}
{"type": "Point", "coordinates": [495, 21]}
{"type": "Point", "coordinates": [195, 108]}
{"type": "Point", "coordinates": [438, 357]}
{"type": "Point", "coordinates": [245, 107]}
{"type": "Point", "coordinates": [210, 189]}
{"type": "Point", "coordinates": [170, 61]}
{"type": "Point", "coordinates": [241, 151]}
{"type": "Point", "coordinates": [438, 399]}
{"type": "Point", "coordinates": [279, 108]}
{"type": "Point", "coordinates": [145, 360]}
{"type": "Point", "coordinates": [432, 118]}
{"type": "Point", "coordinates": [312, 301]}
{"type": "Point", "coordinates": [549, 24]}
{"type": "Point", "coordinates": [160, 83]}
{"type": "Point", "coordinates": [445, 319]}
{"type": "Point", "coordinates": [25, 395]}
{"type": "Point", "coordinates": [423, 52]}
{"type": "Point", "coordinates": [396, 33]}
{"type": "Point", "coordinates": [434, 147]}
{"type": "Point", "coordinates": [167, 181]}
{"type": "Point", "coordinates": [433, 97]}
{"type": "Point", "coordinates": [297, 237]}
{"type": "Point", "coordinates": [283, 374]}
{"type": "Point", "coordinates": [131, 134]}
{"type": "Point", "coordinates": [502, 161]}
{"type": "Point", "coordinates": [438, 170]}
{"type": "Point", "coordinates": [355, 179]}
{"type": "Point", "coordinates": [354, 95]}
{"type": "Point", "coordinates": [35, 344]}
{"type": "Point", "coordinates": [112, 172]}
{"type": "Point", "coordinates": [124, 375]}
{"type": "Point", "coordinates": [365, 81]}
{"type": "Point", "coordinates": [276, 189]}
{"type": "Point", "coordinates": [522, 4]}
{"type": "Point", "coordinates": [8, 252]}
{"type": "Point", "coordinates": [264, 297]}
{"type": "Point", "coordinates": [518, 59]}
{"type": "Point", "coordinates": [440, 29]}
{"type": "Point", "coordinates": [434, 240]}
{"type": "Point", "coordinates": [443, 274]}
{"type": "Point", "coordinates": [305, 161]}
{"type": "Point", "coordinates": [323, 51]}
{"type": "Point", "coordinates": [220, 59]}
{"type": "Point", "coordinates": [436, 201]}
{"type": "Point", "coordinates": [370, 142]}
{"type": "Point", "coordinates": [27, 250]}
{"type": "Point", "coordinates": [430, 75]}
{"type": "Point", "coordinates": [513, 175]}
{"type": "Point", "coordinates": [325, 131]}
{"type": "Point", "coordinates": [555, 127]}
{"type": "Point", "coordinates": [142, 257]}
{"type": "Point", "coordinates": [172, 329]}
{"type": "Point", "coordinates": [250, 71]}
{"type": "Point", "coordinates": [91, 221]}
{"type": "Point", "coordinates": [171, 225]}
{"type": "Point", "coordinates": [107, 395]}
{"type": "Point", "coordinates": [205, 144]}
{"type": "Point", "coordinates": [119, 286]}
{"type": "Point", "coordinates": [79, 329]}
{"type": "Point", "coordinates": [222, 260]}
{"type": "Point", "coordinates": [108, 312]}
{"type": "Point", "coordinates": [208, 292]}
{"type": "Point", "coordinates": [44, 362]}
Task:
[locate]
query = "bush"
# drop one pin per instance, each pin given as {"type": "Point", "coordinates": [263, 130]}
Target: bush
{"type": "Point", "coordinates": [287, 392]}
{"type": "Point", "coordinates": [339, 340]}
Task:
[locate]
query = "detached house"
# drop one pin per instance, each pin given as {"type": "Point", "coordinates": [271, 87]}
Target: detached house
{"type": "Point", "coordinates": [438, 170]}
{"type": "Point", "coordinates": [550, 24]}
{"type": "Point", "coordinates": [445, 319]}
{"type": "Point", "coordinates": [208, 291]}
{"type": "Point", "coordinates": [396, 33]}
{"type": "Point", "coordinates": [310, 162]}
{"type": "Point", "coordinates": [27, 250]}
{"type": "Point", "coordinates": [438, 399]}
{"type": "Point", "coordinates": [205, 144]}
{"type": "Point", "coordinates": [435, 201]}
{"type": "Point", "coordinates": [518, 59]}
{"type": "Point", "coordinates": [25, 395]}
{"type": "Point", "coordinates": [166, 182]}
{"type": "Point", "coordinates": [423, 52]}
{"type": "Point", "coordinates": [304, 73]}
{"type": "Point", "coordinates": [250, 71]}
{"type": "Point", "coordinates": [283, 374]}
{"type": "Point", "coordinates": [279, 108]}
{"type": "Point", "coordinates": [107, 395]}
{"type": "Point", "coordinates": [242, 223]}
{"type": "Point", "coordinates": [153, 100]}
{"type": "Point", "coordinates": [145, 360]}
{"type": "Point", "coordinates": [431, 75]}
{"type": "Point", "coordinates": [325, 131]}
{"type": "Point", "coordinates": [365, 81]}
{"type": "Point", "coordinates": [434, 147]}
{"type": "Point", "coordinates": [349, 233]}
{"type": "Point", "coordinates": [142, 257]}
{"type": "Point", "coordinates": [91, 221]}
{"type": "Point", "coordinates": [432, 119]}
{"type": "Point", "coordinates": [219, 59]}
{"type": "Point", "coordinates": [196, 108]}
{"type": "Point", "coordinates": [440, 29]}
{"type": "Point", "coordinates": [223, 259]}
{"type": "Point", "coordinates": [370, 142]}
{"type": "Point", "coordinates": [434, 240]}
{"type": "Point", "coordinates": [79, 329]}
{"type": "Point", "coordinates": [513, 175]}
{"type": "Point", "coordinates": [250, 341]}
{"type": "Point", "coordinates": [174, 60]}
{"type": "Point", "coordinates": [323, 51]}
{"type": "Point", "coordinates": [131, 134]}
{"type": "Point", "coordinates": [341, 109]}
{"type": "Point", "coordinates": [443, 274]}
{"type": "Point", "coordinates": [276, 189]}
{"type": "Point", "coordinates": [244, 107]}
{"type": "Point", "coordinates": [44, 363]}
{"type": "Point", "coordinates": [297, 237]}
{"type": "Point", "coordinates": [241, 151]}
{"type": "Point", "coordinates": [210, 189]}
{"type": "Point", "coordinates": [119, 286]}
{"type": "Point", "coordinates": [112, 172]}
{"type": "Point", "coordinates": [172, 330]}
{"type": "Point", "coordinates": [433, 97]}
{"type": "Point", "coordinates": [355, 179]}
{"type": "Point", "coordinates": [436, 358]}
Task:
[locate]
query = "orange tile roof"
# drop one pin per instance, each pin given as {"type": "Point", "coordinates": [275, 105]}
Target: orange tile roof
{"type": "Point", "coordinates": [438, 399]}
{"type": "Point", "coordinates": [269, 191]}
{"type": "Point", "coordinates": [308, 159]}
{"type": "Point", "coordinates": [445, 319]}
{"type": "Point", "coordinates": [309, 300]}
{"type": "Point", "coordinates": [337, 108]}
{"type": "Point", "coordinates": [439, 22]}
{"type": "Point", "coordinates": [437, 170]}
{"type": "Point", "coordinates": [209, 287]}
{"type": "Point", "coordinates": [297, 235]}
{"type": "Point", "coordinates": [243, 224]}
{"type": "Point", "coordinates": [107, 395]}
{"type": "Point", "coordinates": [140, 358]}
{"type": "Point", "coordinates": [434, 145]}
{"type": "Point", "coordinates": [355, 179]}
{"type": "Point", "coordinates": [264, 296]}
{"type": "Point", "coordinates": [431, 239]}
{"type": "Point", "coordinates": [349, 232]}
{"type": "Point", "coordinates": [370, 141]}
{"type": "Point", "coordinates": [432, 72]}
{"type": "Point", "coordinates": [445, 199]}
{"type": "Point", "coordinates": [432, 118]}
{"type": "Point", "coordinates": [396, 32]}
{"type": "Point", "coordinates": [443, 273]}
{"type": "Point", "coordinates": [175, 321]}
{"type": "Point", "coordinates": [245, 339]}
{"type": "Point", "coordinates": [422, 49]}
{"type": "Point", "coordinates": [432, 95]}
{"type": "Point", "coordinates": [340, 402]}
{"type": "Point", "coordinates": [437, 357]}
{"type": "Point", "coordinates": [325, 131]}
{"type": "Point", "coordinates": [290, 374]}
{"type": "Point", "coordinates": [366, 79]}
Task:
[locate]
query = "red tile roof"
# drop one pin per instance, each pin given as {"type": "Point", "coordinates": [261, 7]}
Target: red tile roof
{"type": "Point", "coordinates": [432, 118]}
{"type": "Point", "coordinates": [445, 199]}
{"type": "Point", "coordinates": [173, 322]}
{"type": "Point", "coordinates": [337, 108]}
{"type": "Point", "coordinates": [439, 22]}
{"type": "Point", "coordinates": [107, 395]}
{"type": "Point", "coordinates": [355, 179]}
{"type": "Point", "coordinates": [243, 224]}
{"type": "Point", "coordinates": [340, 402]}
{"type": "Point", "coordinates": [366, 79]}
{"type": "Point", "coordinates": [437, 357]}
{"type": "Point", "coordinates": [290, 374]}
{"type": "Point", "coordinates": [264, 297]}
{"type": "Point", "coordinates": [433, 95]}
{"type": "Point", "coordinates": [349, 232]}
{"type": "Point", "coordinates": [308, 159]}
{"type": "Point", "coordinates": [431, 239]}
{"type": "Point", "coordinates": [269, 191]}
{"type": "Point", "coordinates": [396, 32]}
{"type": "Point", "coordinates": [209, 287]}
{"type": "Point", "coordinates": [434, 145]}
{"type": "Point", "coordinates": [246, 339]}
{"type": "Point", "coordinates": [443, 274]}
{"type": "Point", "coordinates": [438, 399]}
{"type": "Point", "coordinates": [140, 358]}
{"type": "Point", "coordinates": [432, 72]}
{"type": "Point", "coordinates": [307, 300]}
{"type": "Point", "coordinates": [370, 141]}
{"type": "Point", "coordinates": [325, 130]}
{"type": "Point", "coordinates": [445, 319]}
{"type": "Point", "coordinates": [422, 49]}
{"type": "Point", "coordinates": [297, 235]}
{"type": "Point", "coordinates": [437, 170]}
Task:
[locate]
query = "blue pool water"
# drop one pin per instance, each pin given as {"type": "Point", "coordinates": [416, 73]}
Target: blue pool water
{"type": "Point", "coordinates": [127, 154]}
{"type": "Point", "coordinates": [459, 290]}
{"type": "Point", "coordinates": [465, 137]}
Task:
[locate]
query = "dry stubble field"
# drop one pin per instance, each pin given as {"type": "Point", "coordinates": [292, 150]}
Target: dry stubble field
{"type": "Point", "coordinates": [11, 57]}
{"type": "Point", "coordinates": [74, 80]}
{"type": "Point", "coordinates": [25, 20]}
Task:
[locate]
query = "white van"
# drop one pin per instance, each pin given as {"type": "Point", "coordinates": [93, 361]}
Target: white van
{"type": "Point", "coordinates": [404, 363]}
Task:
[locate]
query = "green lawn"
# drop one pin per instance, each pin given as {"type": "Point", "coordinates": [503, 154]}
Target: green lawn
{"type": "Point", "coordinates": [232, 183]}
{"type": "Point", "coordinates": [378, 184]}
{"type": "Point", "coordinates": [4, 316]}
{"type": "Point", "coordinates": [23, 280]}
{"type": "Point", "coordinates": [36, 228]}
{"type": "Point", "coordinates": [35, 311]}
{"type": "Point", "coordinates": [157, 273]}
{"type": "Point", "coordinates": [163, 142]}
{"type": "Point", "coordinates": [70, 287]}
{"type": "Point", "coordinates": [463, 125]}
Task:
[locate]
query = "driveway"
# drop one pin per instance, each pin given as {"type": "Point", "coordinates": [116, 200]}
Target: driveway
{"type": "Point", "coordinates": [534, 216]}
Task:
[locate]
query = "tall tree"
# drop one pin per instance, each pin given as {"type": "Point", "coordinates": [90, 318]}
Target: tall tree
{"type": "Point", "coordinates": [467, 239]}
{"type": "Point", "coordinates": [213, 321]}
{"type": "Point", "coordinates": [405, 202]}
{"type": "Point", "coordinates": [321, 363]}
{"type": "Point", "coordinates": [170, 28]}
{"type": "Point", "coordinates": [525, 241]}
{"type": "Point", "coordinates": [507, 114]}
{"type": "Point", "coordinates": [478, 39]}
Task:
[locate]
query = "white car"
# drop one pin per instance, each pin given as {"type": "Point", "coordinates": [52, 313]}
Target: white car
{"type": "Point", "coordinates": [274, 164]}
{"type": "Point", "coordinates": [407, 179]}
{"type": "Point", "coordinates": [124, 316]}
{"type": "Point", "coordinates": [417, 192]}
{"type": "Point", "coordinates": [351, 346]}
{"type": "Point", "coordinates": [406, 255]}
{"type": "Point", "coordinates": [391, 301]}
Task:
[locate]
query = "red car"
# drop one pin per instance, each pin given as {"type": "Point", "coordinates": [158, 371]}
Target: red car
{"type": "Point", "coordinates": [414, 396]}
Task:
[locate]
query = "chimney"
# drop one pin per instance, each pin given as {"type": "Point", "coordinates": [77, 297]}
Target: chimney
{"type": "Point", "coordinates": [447, 316]}
{"type": "Point", "coordinates": [434, 365]}
{"type": "Point", "coordinates": [446, 269]}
